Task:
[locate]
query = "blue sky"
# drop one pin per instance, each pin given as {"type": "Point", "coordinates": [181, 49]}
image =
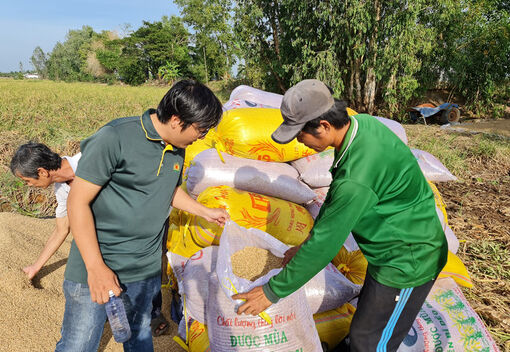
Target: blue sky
{"type": "Point", "coordinates": [25, 24]}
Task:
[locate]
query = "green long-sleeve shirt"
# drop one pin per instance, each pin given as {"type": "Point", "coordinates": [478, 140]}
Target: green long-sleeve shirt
{"type": "Point", "coordinates": [380, 194]}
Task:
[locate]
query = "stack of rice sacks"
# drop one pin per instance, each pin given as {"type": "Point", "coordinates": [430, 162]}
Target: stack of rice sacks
{"type": "Point", "coordinates": [238, 167]}
{"type": "Point", "coordinates": [275, 188]}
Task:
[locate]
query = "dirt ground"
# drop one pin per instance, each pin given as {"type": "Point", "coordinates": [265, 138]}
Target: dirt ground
{"type": "Point", "coordinates": [491, 127]}
{"type": "Point", "coordinates": [32, 311]}
{"type": "Point", "coordinates": [478, 208]}
{"type": "Point", "coordinates": [480, 213]}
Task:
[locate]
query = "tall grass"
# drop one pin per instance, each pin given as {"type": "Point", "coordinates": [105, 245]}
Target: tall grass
{"type": "Point", "coordinates": [55, 112]}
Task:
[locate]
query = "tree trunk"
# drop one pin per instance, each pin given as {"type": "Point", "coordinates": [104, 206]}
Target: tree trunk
{"type": "Point", "coordinates": [278, 79]}
{"type": "Point", "coordinates": [276, 32]}
{"type": "Point", "coordinates": [390, 87]}
{"type": "Point", "coordinates": [357, 81]}
{"type": "Point", "coordinates": [370, 82]}
{"type": "Point", "coordinates": [205, 65]}
{"type": "Point", "coordinates": [351, 85]}
{"type": "Point", "coordinates": [268, 61]}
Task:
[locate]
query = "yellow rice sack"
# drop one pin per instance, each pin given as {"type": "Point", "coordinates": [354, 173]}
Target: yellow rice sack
{"type": "Point", "coordinates": [352, 265]}
{"type": "Point", "coordinates": [287, 221]}
{"type": "Point", "coordinates": [180, 240]}
{"type": "Point", "coordinates": [246, 133]}
{"type": "Point", "coordinates": [197, 339]}
{"type": "Point", "coordinates": [455, 269]}
{"type": "Point", "coordinates": [351, 112]}
{"type": "Point", "coordinates": [333, 326]}
{"type": "Point", "coordinates": [439, 200]}
{"type": "Point", "coordinates": [197, 147]}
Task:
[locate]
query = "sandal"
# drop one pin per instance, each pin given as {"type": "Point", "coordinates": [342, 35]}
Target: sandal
{"type": "Point", "coordinates": [159, 325]}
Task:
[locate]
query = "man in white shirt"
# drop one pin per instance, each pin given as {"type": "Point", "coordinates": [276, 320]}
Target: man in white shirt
{"type": "Point", "coordinates": [40, 167]}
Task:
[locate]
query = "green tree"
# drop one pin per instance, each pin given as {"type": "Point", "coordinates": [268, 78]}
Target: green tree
{"type": "Point", "coordinates": [140, 56]}
{"type": "Point", "coordinates": [213, 42]}
{"type": "Point", "coordinates": [39, 62]}
{"type": "Point", "coordinates": [169, 72]}
{"type": "Point", "coordinates": [123, 61]}
{"type": "Point", "coordinates": [366, 51]}
{"type": "Point", "coordinates": [161, 42]}
{"type": "Point", "coordinates": [474, 58]}
{"type": "Point", "coordinates": [67, 61]}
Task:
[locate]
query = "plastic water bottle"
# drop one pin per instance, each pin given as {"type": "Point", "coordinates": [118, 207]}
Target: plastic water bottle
{"type": "Point", "coordinates": [117, 318]}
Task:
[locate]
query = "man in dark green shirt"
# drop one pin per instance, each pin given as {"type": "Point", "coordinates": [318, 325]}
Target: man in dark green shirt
{"type": "Point", "coordinates": [380, 194]}
{"type": "Point", "coordinates": [125, 185]}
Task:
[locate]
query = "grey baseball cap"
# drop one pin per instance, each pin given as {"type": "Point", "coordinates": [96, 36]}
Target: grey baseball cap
{"type": "Point", "coordinates": [303, 102]}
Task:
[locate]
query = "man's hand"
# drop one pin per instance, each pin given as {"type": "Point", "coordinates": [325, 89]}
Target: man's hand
{"type": "Point", "coordinates": [183, 201]}
{"type": "Point", "coordinates": [256, 301]}
{"type": "Point", "coordinates": [102, 279]}
{"type": "Point", "coordinates": [31, 271]}
{"type": "Point", "coordinates": [217, 215]}
{"type": "Point", "coordinates": [289, 254]}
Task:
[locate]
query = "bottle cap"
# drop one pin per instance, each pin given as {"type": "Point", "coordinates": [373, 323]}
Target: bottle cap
{"type": "Point", "coordinates": [110, 293]}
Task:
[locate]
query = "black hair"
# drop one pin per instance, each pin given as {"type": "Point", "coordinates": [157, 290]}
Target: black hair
{"type": "Point", "coordinates": [192, 102]}
{"type": "Point", "coordinates": [337, 116]}
{"type": "Point", "coordinates": [31, 156]}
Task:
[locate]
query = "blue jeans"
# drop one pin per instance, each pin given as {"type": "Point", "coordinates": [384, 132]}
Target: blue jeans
{"type": "Point", "coordinates": [84, 320]}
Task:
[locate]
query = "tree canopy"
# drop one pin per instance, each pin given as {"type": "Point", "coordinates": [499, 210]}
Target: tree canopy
{"type": "Point", "coordinates": [377, 55]}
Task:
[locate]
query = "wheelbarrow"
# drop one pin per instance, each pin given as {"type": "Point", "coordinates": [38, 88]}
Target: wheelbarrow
{"type": "Point", "coordinates": [442, 114]}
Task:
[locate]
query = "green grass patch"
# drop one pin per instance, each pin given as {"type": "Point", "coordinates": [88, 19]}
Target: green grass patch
{"type": "Point", "coordinates": [493, 260]}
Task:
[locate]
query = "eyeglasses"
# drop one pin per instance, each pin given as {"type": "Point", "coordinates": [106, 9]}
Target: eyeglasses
{"type": "Point", "coordinates": [201, 133]}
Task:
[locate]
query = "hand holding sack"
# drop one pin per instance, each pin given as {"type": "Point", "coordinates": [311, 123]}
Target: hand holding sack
{"type": "Point", "coordinates": [291, 326]}
{"type": "Point", "coordinates": [287, 221]}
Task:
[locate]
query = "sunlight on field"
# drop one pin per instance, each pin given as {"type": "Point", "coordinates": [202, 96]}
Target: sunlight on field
{"type": "Point", "coordinates": [55, 112]}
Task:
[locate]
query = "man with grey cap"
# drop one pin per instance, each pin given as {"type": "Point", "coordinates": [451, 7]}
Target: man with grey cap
{"type": "Point", "coordinates": [379, 194]}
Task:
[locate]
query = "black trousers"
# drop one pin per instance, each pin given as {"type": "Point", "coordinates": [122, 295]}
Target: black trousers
{"type": "Point", "coordinates": [385, 315]}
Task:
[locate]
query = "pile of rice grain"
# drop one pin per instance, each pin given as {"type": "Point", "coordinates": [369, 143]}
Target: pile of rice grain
{"type": "Point", "coordinates": [252, 263]}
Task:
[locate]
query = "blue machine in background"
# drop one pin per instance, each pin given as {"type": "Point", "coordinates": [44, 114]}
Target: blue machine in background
{"type": "Point", "coordinates": [442, 114]}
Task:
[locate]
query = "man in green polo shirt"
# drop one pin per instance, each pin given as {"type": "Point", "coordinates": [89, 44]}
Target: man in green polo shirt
{"type": "Point", "coordinates": [379, 193]}
{"type": "Point", "coordinates": [126, 182]}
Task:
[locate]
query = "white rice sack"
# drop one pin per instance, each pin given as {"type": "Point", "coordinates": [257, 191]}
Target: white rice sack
{"type": "Point", "coordinates": [256, 96]}
{"type": "Point", "coordinates": [196, 274]}
{"type": "Point", "coordinates": [273, 179]}
{"type": "Point", "coordinates": [315, 206]}
{"type": "Point", "coordinates": [447, 322]}
{"type": "Point", "coordinates": [350, 243]}
{"type": "Point", "coordinates": [453, 241]}
{"type": "Point", "coordinates": [432, 168]}
{"type": "Point", "coordinates": [240, 103]}
{"type": "Point", "coordinates": [292, 326]}
{"type": "Point", "coordinates": [395, 127]}
{"type": "Point", "coordinates": [314, 169]}
{"type": "Point", "coordinates": [329, 289]}
{"type": "Point", "coordinates": [177, 263]}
